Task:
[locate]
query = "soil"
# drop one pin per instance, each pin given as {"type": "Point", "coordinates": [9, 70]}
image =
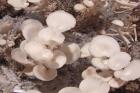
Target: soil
{"type": "Point", "coordinates": [89, 24]}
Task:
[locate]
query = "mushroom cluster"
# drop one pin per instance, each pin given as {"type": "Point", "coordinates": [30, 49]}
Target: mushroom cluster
{"type": "Point", "coordinates": [20, 4]}
{"type": "Point", "coordinates": [107, 55]}
{"type": "Point", "coordinates": [43, 51]}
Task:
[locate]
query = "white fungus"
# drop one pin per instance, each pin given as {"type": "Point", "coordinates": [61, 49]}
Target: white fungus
{"type": "Point", "coordinates": [118, 23]}
{"type": "Point", "coordinates": [79, 7]}
{"type": "Point", "coordinates": [18, 4]}
{"type": "Point", "coordinates": [43, 73]}
{"type": "Point", "coordinates": [70, 90]}
{"type": "Point", "coordinates": [2, 41]}
{"type": "Point", "coordinates": [116, 83]}
{"type": "Point", "coordinates": [30, 28]}
{"type": "Point", "coordinates": [119, 60]}
{"type": "Point", "coordinates": [100, 63]}
{"type": "Point", "coordinates": [61, 20]}
{"type": "Point", "coordinates": [47, 34]}
{"type": "Point", "coordinates": [88, 3]}
{"type": "Point", "coordinates": [104, 46]}
{"type": "Point", "coordinates": [34, 1]}
{"type": "Point", "coordinates": [58, 60]}
{"type": "Point", "coordinates": [94, 85]}
{"type": "Point", "coordinates": [131, 72]}
{"type": "Point", "coordinates": [85, 50]}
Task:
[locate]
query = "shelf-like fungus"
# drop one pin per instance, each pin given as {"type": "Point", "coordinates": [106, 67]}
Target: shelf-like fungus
{"type": "Point", "coordinates": [104, 46]}
{"type": "Point", "coordinates": [85, 50]}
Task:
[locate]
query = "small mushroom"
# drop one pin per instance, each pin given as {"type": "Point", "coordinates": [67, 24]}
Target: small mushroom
{"type": "Point", "coordinates": [119, 60]}
{"type": "Point", "coordinates": [100, 63]}
{"type": "Point", "coordinates": [30, 28]}
{"type": "Point", "coordinates": [88, 3]}
{"type": "Point", "coordinates": [18, 4]}
{"type": "Point", "coordinates": [38, 51]}
{"type": "Point", "coordinates": [43, 73]}
{"type": "Point", "coordinates": [79, 7]}
{"type": "Point", "coordinates": [85, 50]}
{"type": "Point", "coordinates": [72, 52]}
{"type": "Point", "coordinates": [61, 20]}
{"type": "Point", "coordinates": [94, 85]}
{"type": "Point", "coordinates": [118, 23]}
{"type": "Point", "coordinates": [131, 72]}
{"type": "Point", "coordinates": [34, 1]}
{"type": "Point", "coordinates": [70, 90]}
{"type": "Point", "coordinates": [104, 46]}
{"type": "Point", "coordinates": [47, 34]}
{"type": "Point", "coordinates": [58, 60]}
{"type": "Point", "coordinates": [20, 56]}
{"type": "Point", "coordinates": [116, 83]}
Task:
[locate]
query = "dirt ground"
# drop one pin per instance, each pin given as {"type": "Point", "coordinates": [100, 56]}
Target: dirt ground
{"type": "Point", "coordinates": [89, 24]}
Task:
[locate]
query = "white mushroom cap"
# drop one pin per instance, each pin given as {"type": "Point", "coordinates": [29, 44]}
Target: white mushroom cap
{"type": "Point", "coordinates": [79, 7]}
{"type": "Point", "coordinates": [118, 23]}
{"type": "Point", "coordinates": [131, 72]}
{"type": "Point", "coordinates": [22, 45]}
{"type": "Point", "coordinates": [58, 60]}
{"type": "Point", "coordinates": [119, 60]}
{"type": "Point", "coordinates": [100, 63]}
{"type": "Point", "coordinates": [85, 50]}
{"type": "Point", "coordinates": [89, 72]}
{"type": "Point", "coordinates": [72, 52]}
{"type": "Point", "coordinates": [34, 1]}
{"type": "Point", "coordinates": [43, 73]}
{"type": "Point", "coordinates": [70, 90]}
{"type": "Point", "coordinates": [61, 20]}
{"type": "Point", "coordinates": [88, 3]}
{"type": "Point", "coordinates": [94, 85]}
{"type": "Point", "coordinates": [104, 46]}
{"type": "Point", "coordinates": [116, 83]}
{"type": "Point", "coordinates": [38, 51]}
{"type": "Point", "coordinates": [20, 56]}
{"type": "Point", "coordinates": [32, 91]}
{"type": "Point", "coordinates": [47, 34]}
{"type": "Point", "coordinates": [18, 4]}
{"type": "Point", "coordinates": [30, 28]}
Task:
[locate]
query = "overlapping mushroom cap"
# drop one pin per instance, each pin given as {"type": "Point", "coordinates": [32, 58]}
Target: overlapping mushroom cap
{"type": "Point", "coordinates": [70, 90]}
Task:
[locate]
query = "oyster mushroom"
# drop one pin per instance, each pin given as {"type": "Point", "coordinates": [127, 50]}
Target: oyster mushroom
{"type": "Point", "coordinates": [131, 72]}
{"type": "Point", "coordinates": [30, 28]}
{"type": "Point", "coordinates": [118, 23]}
{"type": "Point", "coordinates": [94, 85]}
{"type": "Point", "coordinates": [88, 3]}
{"type": "Point", "coordinates": [43, 73]}
{"type": "Point", "coordinates": [70, 90]}
{"type": "Point", "coordinates": [119, 60]}
{"type": "Point", "coordinates": [85, 50]}
{"type": "Point", "coordinates": [61, 20]}
{"type": "Point", "coordinates": [104, 46]}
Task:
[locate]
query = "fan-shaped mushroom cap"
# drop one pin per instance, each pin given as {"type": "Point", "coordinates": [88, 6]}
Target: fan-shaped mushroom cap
{"type": "Point", "coordinates": [119, 60]}
{"type": "Point", "coordinates": [85, 50]}
{"type": "Point", "coordinates": [38, 51]}
{"type": "Point", "coordinates": [58, 60]}
{"type": "Point", "coordinates": [89, 72]}
{"type": "Point", "coordinates": [61, 20]}
{"type": "Point", "coordinates": [94, 85]}
{"type": "Point", "coordinates": [118, 23]}
{"type": "Point", "coordinates": [18, 4]}
{"type": "Point", "coordinates": [70, 90]}
{"type": "Point", "coordinates": [72, 52]}
{"type": "Point", "coordinates": [104, 46]}
{"type": "Point", "coordinates": [47, 34]}
{"type": "Point", "coordinates": [116, 83]}
{"type": "Point", "coordinates": [30, 28]}
{"type": "Point", "coordinates": [20, 56]}
{"type": "Point", "coordinates": [32, 91]}
{"type": "Point", "coordinates": [131, 72]}
{"type": "Point", "coordinates": [99, 63]}
{"type": "Point", "coordinates": [43, 73]}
